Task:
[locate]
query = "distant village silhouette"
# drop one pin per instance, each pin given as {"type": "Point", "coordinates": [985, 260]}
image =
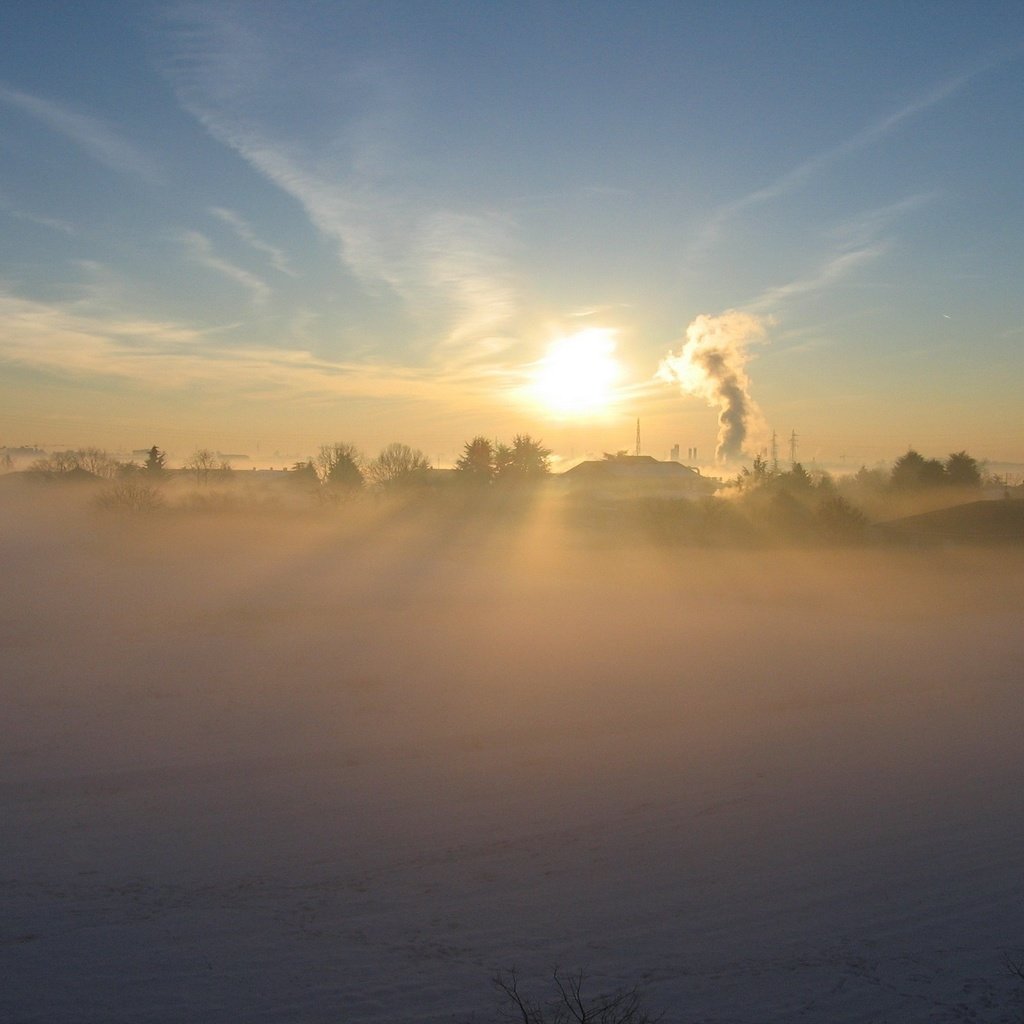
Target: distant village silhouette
{"type": "Point", "coordinates": [918, 500]}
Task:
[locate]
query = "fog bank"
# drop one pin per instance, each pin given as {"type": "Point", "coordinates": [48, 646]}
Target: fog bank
{"type": "Point", "coordinates": [342, 767]}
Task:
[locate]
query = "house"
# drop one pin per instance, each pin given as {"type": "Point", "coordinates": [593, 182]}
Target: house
{"type": "Point", "coordinates": [620, 477]}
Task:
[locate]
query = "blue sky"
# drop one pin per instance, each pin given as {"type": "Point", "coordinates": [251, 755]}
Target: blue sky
{"type": "Point", "coordinates": [285, 224]}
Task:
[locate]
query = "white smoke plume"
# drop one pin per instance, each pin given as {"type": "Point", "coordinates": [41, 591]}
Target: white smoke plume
{"type": "Point", "coordinates": [712, 364]}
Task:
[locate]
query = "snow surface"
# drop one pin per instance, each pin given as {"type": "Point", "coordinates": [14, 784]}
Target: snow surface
{"type": "Point", "coordinates": [325, 769]}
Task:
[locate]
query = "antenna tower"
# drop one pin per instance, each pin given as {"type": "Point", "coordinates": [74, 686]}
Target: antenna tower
{"type": "Point", "coordinates": [637, 452]}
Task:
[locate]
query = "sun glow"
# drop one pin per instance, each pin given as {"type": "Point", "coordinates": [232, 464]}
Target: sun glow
{"type": "Point", "coordinates": [578, 375]}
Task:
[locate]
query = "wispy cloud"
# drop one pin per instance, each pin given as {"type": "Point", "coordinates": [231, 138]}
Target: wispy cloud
{"type": "Point", "coordinates": [431, 258]}
{"type": "Point", "coordinates": [61, 340]}
{"type": "Point", "coordinates": [446, 264]}
{"type": "Point", "coordinates": [94, 137]}
{"type": "Point", "coordinates": [858, 244]}
{"type": "Point", "coordinates": [864, 227]}
{"type": "Point", "coordinates": [459, 259]}
{"type": "Point", "coordinates": [15, 211]}
{"type": "Point", "coordinates": [824, 276]}
{"type": "Point", "coordinates": [816, 164]}
{"type": "Point", "coordinates": [200, 250]}
{"type": "Point", "coordinates": [244, 230]}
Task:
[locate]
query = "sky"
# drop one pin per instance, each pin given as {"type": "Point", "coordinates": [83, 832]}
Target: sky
{"type": "Point", "coordinates": [263, 227]}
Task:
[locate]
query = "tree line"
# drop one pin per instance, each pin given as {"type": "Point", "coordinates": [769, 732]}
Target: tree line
{"type": "Point", "coordinates": [338, 467]}
{"type": "Point", "coordinates": [341, 466]}
{"type": "Point", "coordinates": [764, 501]}
{"type": "Point", "coordinates": [910, 472]}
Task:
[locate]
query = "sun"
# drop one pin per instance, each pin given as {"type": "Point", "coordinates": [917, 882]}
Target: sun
{"type": "Point", "coordinates": [577, 376]}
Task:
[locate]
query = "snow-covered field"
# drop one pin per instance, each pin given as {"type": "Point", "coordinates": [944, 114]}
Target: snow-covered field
{"type": "Point", "coordinates": [280, 769]}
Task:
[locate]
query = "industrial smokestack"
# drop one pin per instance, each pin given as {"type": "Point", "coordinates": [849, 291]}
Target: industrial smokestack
{"type": "Point", "coordinates": [712, 365]}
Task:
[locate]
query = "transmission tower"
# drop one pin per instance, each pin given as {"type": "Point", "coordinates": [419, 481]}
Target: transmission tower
{"type": "Point", "coordinates": [775, 452]}
{"type": "Point", "coordinates": [637, 452]}
{"type": "Point", "coordinates": [792, 448]}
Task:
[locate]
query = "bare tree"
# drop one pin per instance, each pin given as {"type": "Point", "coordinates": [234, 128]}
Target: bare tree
{"type": "Point", "coordinates": [1015, 965]}
{"type": "Point", "coordinates": [94, 461]}
{"type": "Point", "coordinates": [398, 465]}
{"type": "Point", "coordinates": [61, 462]}
{"type": "Point", "coordinates": [202, 462]}
{"type": "Point", "coordinates": [128, 495]}
{"type": "Point", "coordinates": [97, 462]}
{"type": "Point", "coordinates": [568, 1005]}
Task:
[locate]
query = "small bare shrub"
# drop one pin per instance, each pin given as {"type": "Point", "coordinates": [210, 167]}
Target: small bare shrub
{"type": "Point", "coordinates": [568, 1005]}
{"type": "Point", "coordinates": [132, 495]}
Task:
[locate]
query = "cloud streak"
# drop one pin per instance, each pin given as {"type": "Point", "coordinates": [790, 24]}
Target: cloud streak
{"type": "Point", "coordinates": [818, 163]}
{"type": "Point", "coordinates": [865, 227]}
{"type": "Point", "coordinates": [200, 250]}
{"type": "Point", "coordinates": [859, 246]}
{"type": "Point", "coordinates": [445, 264]}
{"type": "Point", "coordinates": [94, 137]}
{"type": "Point", "coordinates": [63, 341]}
{"type": "Point", "coordinates": [244, 230]}
{"type": "Point", "coordinates": [827, 275]}
{"type": "Point", "coordinates": [13, 210]}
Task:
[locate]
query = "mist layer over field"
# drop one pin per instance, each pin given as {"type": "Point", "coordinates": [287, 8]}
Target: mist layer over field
{"type": "Point", "coordinates": [341, 767]}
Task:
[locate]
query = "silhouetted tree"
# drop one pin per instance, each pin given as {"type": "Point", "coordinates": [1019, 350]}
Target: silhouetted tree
{"type": "Point", "coordinates": [527, 459]}
{"type": "Point", "coordinates": [156, 462]}
{"type": "Point", "coordinates": [340, 466]}
{"type": "Point", "coordinates": [304, 474]}
{"type": "Point", "coordinates": [840, 520]}
{"type": "Point", "coordinates": [823, 482]}
{"type": "Point", "coordinates": [132, 495]}
{"type": "Point", "coordinates": [80, 461]}
{"type": "Point", "coordinates": [962, 470]}
{"type": "Point", "coordinates": [398, 465]}
{"type": "Point", "coordinates": [870, 479]}
{"type": "Point", "coordinates": [760, 470]}
{"type": "Point", "coordinates": [756, 476]}
{"type": "Point", "coordinates": [913, 472]}
{"type": "Point", "coordinates": [796, 479]}
{"type": "Point", "coordinates": [97, 462]}
{"type": "Point", "coordinates": [502, 460]}
{"type": "Point", "coordinates": [202, 462]}
{"type": "Point", "coordinates": [61, 462]}
{"type": "Point", "coordinates": [476, 464]}
{"type": "Point", "coordinates": [784, 514]}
